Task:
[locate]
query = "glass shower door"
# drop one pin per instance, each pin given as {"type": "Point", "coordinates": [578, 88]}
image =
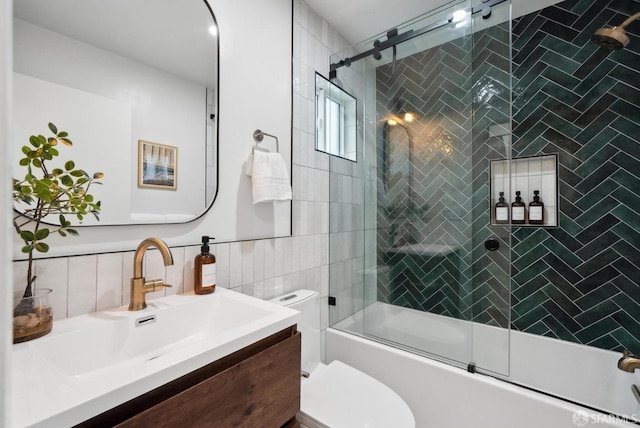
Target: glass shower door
{"type": "Point", "coordinates": [436, 112]}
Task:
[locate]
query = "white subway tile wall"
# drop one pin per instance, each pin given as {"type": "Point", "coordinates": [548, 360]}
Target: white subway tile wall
{"type": "Point", "coordinates": [85, 284]}
{"type": "Point", "coordinates": [82, 285]}
{"type": "Point", "coordinates": [54, 274]}
{"type": "Point", "coordinates": [174, 275]}
{"type": "Point", "coordinates": [109, 281]}
{"type": "Point", "coordinates": [154, 268]}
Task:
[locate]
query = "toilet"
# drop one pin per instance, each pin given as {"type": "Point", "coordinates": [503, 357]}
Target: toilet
{"type": "Point", "coordinates": [337, 395]}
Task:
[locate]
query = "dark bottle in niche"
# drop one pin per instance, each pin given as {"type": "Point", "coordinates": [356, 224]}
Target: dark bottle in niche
{"type": "Point", "coordinates": [518, 209]}
{"type": "Point", "coordinates": [502, 211]}
{"type": "Point", "coordinates": [536, 209]}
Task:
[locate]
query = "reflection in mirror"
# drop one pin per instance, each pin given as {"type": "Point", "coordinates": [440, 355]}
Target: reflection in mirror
{"type": "Point", "coordinates": [115, 73]}
{"type": "Point", "coordinates": [335, 120]}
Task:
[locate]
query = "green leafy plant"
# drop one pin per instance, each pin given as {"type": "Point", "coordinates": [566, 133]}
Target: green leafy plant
{"type": "Point", "coordinates": [45, 192]}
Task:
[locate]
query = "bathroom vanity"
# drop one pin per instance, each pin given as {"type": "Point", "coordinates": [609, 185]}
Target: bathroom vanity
{"type": "Point", "coordinates": [223, 359]}
{"type": "Point", "coordinates": [258, 385]}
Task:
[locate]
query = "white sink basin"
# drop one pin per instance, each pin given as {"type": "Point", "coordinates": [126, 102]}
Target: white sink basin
{"type": "Point", "coordinates": [91, 363]}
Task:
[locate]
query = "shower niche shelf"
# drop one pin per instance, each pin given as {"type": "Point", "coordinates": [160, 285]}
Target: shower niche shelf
{"type": "Point", "coordinates": [525, 175]}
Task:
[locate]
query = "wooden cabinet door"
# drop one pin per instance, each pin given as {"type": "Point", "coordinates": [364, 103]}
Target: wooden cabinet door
{"type": "Point", "coordinates": [262, 391]}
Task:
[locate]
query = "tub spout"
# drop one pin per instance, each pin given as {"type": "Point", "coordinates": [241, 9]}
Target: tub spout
{"type": "Point", "coordinates": [139, 286]}
{"type": "Point", "coordinates": [628, 362]}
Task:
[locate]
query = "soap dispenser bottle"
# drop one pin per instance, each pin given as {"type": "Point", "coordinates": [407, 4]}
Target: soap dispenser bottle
{"type": "Point", "coordinates": [536, 209]}
{"type": "Point", "coordinates": [502, 211]}
{"type": "Point", "coordinates": [518, 210]}
{"type": "Point", "coordinates": [205, 270]}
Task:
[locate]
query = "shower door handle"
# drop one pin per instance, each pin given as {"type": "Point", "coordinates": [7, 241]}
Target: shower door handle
{"type": "Point", "coordinates": [492, 244]}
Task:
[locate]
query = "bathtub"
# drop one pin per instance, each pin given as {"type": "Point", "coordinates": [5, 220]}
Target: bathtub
{"type": "Point", "coordinates": [442, 395]}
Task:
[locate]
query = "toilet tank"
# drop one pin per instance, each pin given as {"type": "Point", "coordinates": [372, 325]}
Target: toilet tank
{"type": "Point", "coordinates": [308, 303]}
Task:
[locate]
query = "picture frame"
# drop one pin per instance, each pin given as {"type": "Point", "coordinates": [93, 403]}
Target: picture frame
{"type": "Point", "coordinates": [157, 166]}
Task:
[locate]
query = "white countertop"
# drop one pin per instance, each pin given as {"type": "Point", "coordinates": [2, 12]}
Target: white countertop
{"type": "Point", "coordinates": [92, 363]}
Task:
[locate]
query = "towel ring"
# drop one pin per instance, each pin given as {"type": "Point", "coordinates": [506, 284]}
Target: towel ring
{"type": "Point", "coordinates": [258, 136]}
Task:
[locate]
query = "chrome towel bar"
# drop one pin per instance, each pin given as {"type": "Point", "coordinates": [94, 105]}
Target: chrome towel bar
{"type": "Point", "coordinates": [258, 136]}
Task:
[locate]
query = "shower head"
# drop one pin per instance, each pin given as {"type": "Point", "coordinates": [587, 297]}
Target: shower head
{"type": "Point", "coordinates": [614, 38]}
{"type": "Point", "coordinates": [611, 38]}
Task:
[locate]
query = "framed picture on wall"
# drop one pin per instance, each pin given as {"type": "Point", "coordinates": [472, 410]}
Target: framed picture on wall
{"type": "Point", "coordinates": [157, 165]}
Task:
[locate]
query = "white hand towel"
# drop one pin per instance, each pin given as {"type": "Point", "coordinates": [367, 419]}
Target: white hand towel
{"type": "Point", "coordinates": [269, 176]}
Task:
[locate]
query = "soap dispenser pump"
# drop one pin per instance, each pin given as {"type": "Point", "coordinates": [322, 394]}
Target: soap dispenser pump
{"type": "Point", "coordinates": [502, 211]}
{"type": "Point", "coordinates": [518, 210]}
{"type": "Point", "coordinates": [536, 209]}
{"type": "Point", "coordinates": [205, 270]}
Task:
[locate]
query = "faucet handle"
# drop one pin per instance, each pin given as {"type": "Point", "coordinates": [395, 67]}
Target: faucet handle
{"type": "Point", "coordinates": [155, 285]}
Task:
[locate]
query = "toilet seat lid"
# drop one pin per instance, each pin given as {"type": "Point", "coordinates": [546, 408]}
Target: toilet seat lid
{"type": "Point", "coordinates": [339, 396]}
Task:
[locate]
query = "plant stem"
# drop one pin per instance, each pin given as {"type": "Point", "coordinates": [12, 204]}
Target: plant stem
{"type": "Point", "coordinates": [28, 292]}
{"type": "Point", "coordinates": [30, 278]}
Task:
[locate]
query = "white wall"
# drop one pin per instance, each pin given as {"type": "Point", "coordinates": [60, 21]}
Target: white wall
{"type": "Point", "coordinates": [6, 232]}
{"type": "Point", "coordinates": [36, 102]}
{"type": "Point", "coordinates": [255, 93]}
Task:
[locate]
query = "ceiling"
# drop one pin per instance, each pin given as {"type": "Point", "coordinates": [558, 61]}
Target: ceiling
{"type": "Point", "coordinates": [156, 26]}
{"type": "Point", "coordinates": [359, 20]}
{"type": "Point", "coordinates": [169, 35]}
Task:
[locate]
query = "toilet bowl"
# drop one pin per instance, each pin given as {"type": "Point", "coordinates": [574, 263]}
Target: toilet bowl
{"type": "Point", "coordinates": [337, 395]}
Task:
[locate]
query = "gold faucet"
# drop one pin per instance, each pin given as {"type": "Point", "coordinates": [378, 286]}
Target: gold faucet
{"type": "Point", "coordinates": [628, 362]}
{"type": "Point", "coordinates": [140, 287]}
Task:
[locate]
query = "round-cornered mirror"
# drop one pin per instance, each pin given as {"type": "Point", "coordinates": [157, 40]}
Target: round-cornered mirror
{"type": "Point", "coordinates": [135, 84]}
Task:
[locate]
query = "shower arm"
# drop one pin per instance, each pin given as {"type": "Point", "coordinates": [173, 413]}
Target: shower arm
{"type": "Point", "coordinates": [393, 38]}
{"type": "Point", "coordinates": [629, 20]}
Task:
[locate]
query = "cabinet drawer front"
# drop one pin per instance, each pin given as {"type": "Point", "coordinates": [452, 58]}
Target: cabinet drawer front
{"type": "Point", "coordinates": [261, 391]}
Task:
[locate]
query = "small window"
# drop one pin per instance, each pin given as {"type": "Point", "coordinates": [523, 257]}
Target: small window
{"type": "Point", "coordinates": [335, 120]}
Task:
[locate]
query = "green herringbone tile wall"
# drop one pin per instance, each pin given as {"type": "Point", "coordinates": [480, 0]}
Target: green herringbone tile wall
{"type": "Point", "coordinates": [428, 178]}
{"type": "Point", "coordinates": [578, 282]}
{"type": "Point", "coordinates": [449, 192]}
